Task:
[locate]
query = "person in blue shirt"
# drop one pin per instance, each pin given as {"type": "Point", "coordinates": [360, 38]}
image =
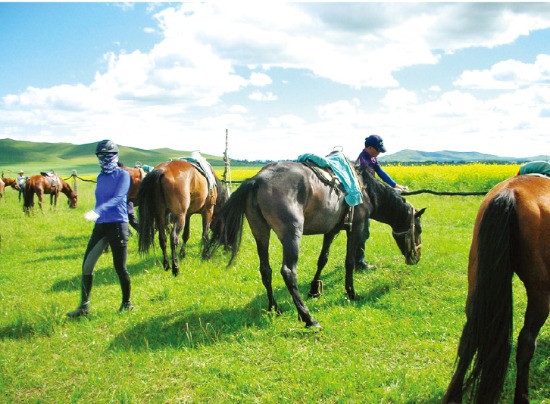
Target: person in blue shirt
{"type": "Point", "coordinates": [110, 215]}
{"type": "Point", "coordinates": [374, 145]}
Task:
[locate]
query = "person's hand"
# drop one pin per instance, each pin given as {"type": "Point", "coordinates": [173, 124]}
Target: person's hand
{"type": "Point", "coordinates": [91, 216]}
{"type": "Point", "coordinates": [401, 188]}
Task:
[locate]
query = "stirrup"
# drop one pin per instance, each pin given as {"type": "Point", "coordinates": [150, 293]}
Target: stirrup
{"type": "Point", "coordinates": [348, 219]}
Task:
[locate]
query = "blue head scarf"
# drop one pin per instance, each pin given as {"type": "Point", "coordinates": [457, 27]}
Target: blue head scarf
{"type": "Point", "coordinates": [108, 162]}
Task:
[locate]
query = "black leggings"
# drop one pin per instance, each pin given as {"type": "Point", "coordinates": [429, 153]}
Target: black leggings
{"type": "Point", "coordinates": [115, 235]}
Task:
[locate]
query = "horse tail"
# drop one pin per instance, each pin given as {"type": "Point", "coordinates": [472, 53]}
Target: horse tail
{"type": "Point", "coordinates": [227, 227]}
{"type": "Point", "coordinates": [487, 334]}
{"type": "Point", "coordinates": [28, 200]}
{"type": "Point", "coordinates": [147, 202]}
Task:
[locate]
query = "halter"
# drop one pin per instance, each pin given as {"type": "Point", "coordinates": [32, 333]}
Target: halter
{"type": "Point", "coordinates": [411, 231]}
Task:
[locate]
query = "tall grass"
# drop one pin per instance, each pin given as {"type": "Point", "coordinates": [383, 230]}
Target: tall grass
{"type": "Point", "coordinates": [205, 335]}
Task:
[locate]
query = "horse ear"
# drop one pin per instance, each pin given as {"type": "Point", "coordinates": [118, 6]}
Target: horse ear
{"type": "Point", "coordinates": [420, 212]}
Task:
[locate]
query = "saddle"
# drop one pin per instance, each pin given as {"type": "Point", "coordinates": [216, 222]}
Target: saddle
{"type": "Point", "coordinates": [327, 177]}
{"type": "Point", "coordinates": [51, 177]}
{"type": "Point", "coordinates": [203, 167]}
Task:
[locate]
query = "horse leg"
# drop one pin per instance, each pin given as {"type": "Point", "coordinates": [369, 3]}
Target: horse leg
{"type": "Point", "coordinates": [261, 231]}
{"type": "Point", "coordinates": [178, 226]}
{"type": "Point", "coordinates": [538, 305]}
{"type": "Point", "coordinates": [162, 241]}
{"type": "Point", "coordinates": [206, 220]}
{"type": "Point", "coordinates": [185, 238]}
{"type": "Point", "coordinates": [289, 272]}
{"type": "Point", "coordinates": [316, 285]}
{"type": "Point", "coordinates": [40, 202]}
{"type": "Point", "coordinates": [353, 242]}
{"type": "Point", "coordinates": [262, 246]}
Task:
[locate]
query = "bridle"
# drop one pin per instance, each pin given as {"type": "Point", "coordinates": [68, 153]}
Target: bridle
{"type": "Point", "coordinates": [409, 234]}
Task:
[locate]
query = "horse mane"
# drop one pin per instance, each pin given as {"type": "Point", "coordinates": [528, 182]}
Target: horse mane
{"type": "Point", "coordinates": [381, 194]}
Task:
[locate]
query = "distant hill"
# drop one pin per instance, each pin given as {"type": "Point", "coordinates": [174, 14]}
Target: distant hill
{"type": "Point", "coordinates": [450, 157]}
{"type": "Point", "coordinates": [19, 152]}
{"type": "Point", "coordinates": [33, 157]}
{"type": "Point", "coordinates": [42, 156]}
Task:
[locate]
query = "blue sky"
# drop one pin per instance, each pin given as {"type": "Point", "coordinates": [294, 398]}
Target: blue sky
{"type": "Point", "coordinates": [283, 78]}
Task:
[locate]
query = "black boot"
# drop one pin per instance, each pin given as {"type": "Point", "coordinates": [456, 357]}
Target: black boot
{"type": "Point", "coordinates": [84, 308]}
{"type": "Point", "coordinates": [126, 286]}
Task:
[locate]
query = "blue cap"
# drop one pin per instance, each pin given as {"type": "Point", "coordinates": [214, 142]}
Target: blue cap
{"type": "Point", "coordinates": [376, 142]}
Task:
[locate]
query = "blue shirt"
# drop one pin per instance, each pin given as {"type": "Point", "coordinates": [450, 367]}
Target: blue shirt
{"type": "Point", "coordinates": [111, 196]}
{"type": "Point", "coordinates": [365, 160]}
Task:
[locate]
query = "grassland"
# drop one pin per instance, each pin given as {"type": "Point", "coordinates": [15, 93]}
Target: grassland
{"type": "Point", "coordinates": [205, 335]}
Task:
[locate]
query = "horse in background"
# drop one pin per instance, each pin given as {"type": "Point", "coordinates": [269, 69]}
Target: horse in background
{"type": "Point", "coordinates": [137, 174]}
{"type": "Point", "coordinates": [292, 200]}
{"type": "Point", "coordinates": [511, 235]}
{"type": "Point", "coordinates": [52, 185]}
{"type": "Point", "coordinates": [7, 182]}
{"type": "Point", "coordinates": [10, 182]}
{"type": "Point", "coordinates": [167, 197]}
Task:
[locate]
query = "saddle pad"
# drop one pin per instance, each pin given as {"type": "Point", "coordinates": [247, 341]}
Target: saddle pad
{"type": "Point", "coordinates": [339, 164]}
{"type": "Point", "coordinates": [535, 167]}
{"type": "Point", "coordinates": [203, 167]}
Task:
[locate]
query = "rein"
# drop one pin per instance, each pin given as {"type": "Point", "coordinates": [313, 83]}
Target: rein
{"type": "Point", "coordinates": [409, 239]}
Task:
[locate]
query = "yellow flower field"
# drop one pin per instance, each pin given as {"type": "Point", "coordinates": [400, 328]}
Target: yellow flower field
{"type": "Point", "coordinates": [475, 177]}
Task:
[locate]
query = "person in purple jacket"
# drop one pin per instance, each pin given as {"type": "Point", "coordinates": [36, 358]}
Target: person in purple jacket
{"type": "Point", "coordinates": [110, 215]}
{"type": "Point", "coordinates": [374, 145]}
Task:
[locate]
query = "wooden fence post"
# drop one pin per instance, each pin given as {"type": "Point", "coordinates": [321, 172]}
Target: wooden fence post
{"type": "Point", "coordinates": [75, 182]}
{"type": "Point", "coordinates": [227, 166]}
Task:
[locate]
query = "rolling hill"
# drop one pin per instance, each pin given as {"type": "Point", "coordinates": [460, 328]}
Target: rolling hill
{"type": "Point", "coordinates": [42, 156]}
{"type": "Point", "coordinates": [19, 152]}
{"type": "Point", "coordinates": [450, 157]}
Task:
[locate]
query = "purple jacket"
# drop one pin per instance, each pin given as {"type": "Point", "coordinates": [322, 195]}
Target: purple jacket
{"type": "Point", "coordinates": [364, 160]}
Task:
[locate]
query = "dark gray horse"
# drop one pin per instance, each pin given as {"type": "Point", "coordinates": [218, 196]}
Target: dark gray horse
{"type": "Point", "coordinates": [292, 200]}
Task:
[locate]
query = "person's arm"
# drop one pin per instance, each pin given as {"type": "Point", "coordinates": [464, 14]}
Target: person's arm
{"type": "Point", "coordinates": [384, 176]}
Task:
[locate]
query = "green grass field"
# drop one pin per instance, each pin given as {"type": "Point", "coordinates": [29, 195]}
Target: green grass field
{"type": "Point", "coordinates": [205, 335]}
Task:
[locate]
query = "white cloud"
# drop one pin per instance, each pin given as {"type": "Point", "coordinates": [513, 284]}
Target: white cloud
{"type": "Point", "coordinates": [258, 96]}
{"type": "Point", "coordinates": [260, 79]}
{"type": "Point", "coordinates": [507, 75]}
{"type": "Point", "coordinates": [212, 58]}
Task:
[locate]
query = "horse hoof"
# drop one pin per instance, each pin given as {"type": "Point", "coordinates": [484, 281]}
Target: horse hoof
{"type": "Point", "coordinates": [315, 325]}
{"type": "Point", "coordinates": [316, 289]}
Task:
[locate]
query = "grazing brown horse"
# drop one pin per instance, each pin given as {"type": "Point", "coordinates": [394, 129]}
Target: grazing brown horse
{"type": "Point", "coordinates": [4, 182]}
{"type": "Point", "coordinates": [290, 199]}
{"type": "Point", "coordinates": [10, 182]}
{"type": "Point", "coordinates": [53, 185]}
{"type": "Point", "coordinates": [169, 195]}
{"type": "Point", "coordinates": [511, 235]}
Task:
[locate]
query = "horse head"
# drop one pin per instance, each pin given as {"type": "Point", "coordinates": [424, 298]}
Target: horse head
{"type": "Point", "coordinates": [409, 241]}
{"type": "Point", "coordinates": [72, 198]}
{"type": "Point", "coordinates": [72, 201]}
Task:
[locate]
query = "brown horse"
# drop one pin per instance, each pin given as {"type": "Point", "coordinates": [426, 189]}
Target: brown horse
{"type": "Point", "coordinates": [136, 176]}
{"type": "Point", "coordinates": [53, 185]}
{"type": "Point", "coordinates": [511, 235]}
{"type": "Point", "coordinates": [290, 199]}
{"type": "Point", "coordinates": [10, 182]}
{"type": "Point", "coordinates": [169, 195]}
{"type": "Point", "coordinates": [4, 182]}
